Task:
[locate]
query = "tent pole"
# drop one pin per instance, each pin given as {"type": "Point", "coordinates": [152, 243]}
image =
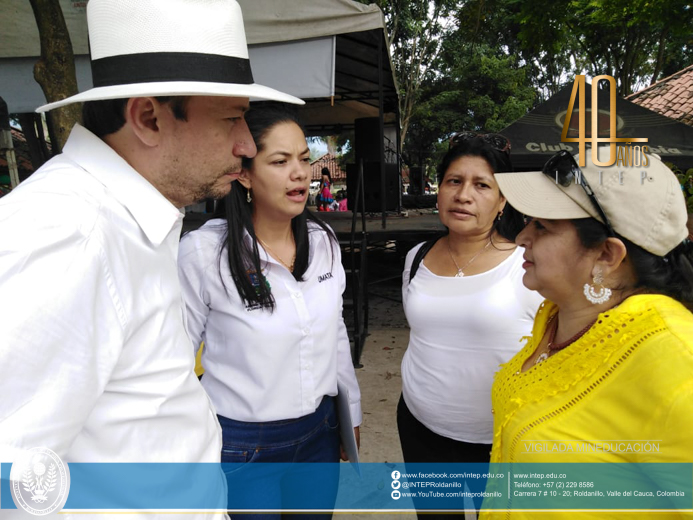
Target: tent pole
{"type": "Point", "coordinates": [381, 134]}
{"type": "Point", "coordinates": [398, 159]}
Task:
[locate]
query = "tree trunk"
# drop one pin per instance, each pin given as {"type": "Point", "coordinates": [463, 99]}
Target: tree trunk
{"type": "Point", "coordinates": [660, 55]}
{"type": "Point", "coordinates": [55, 70]}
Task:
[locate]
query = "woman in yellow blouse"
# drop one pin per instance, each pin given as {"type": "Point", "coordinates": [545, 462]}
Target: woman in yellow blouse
{"type": "Point", "coordinates": [610, 358]}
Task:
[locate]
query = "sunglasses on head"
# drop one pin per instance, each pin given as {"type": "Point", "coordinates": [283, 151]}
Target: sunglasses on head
{"type": "Point", "coordinates": [563, 170]}
{"type": "Point", "coordinates": [497, 141]}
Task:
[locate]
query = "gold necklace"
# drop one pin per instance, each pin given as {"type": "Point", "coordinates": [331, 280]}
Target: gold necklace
{"type": "Point", "coordinates": [290, 267]}
{"type": "Point", "coordinates": [460, 274]}
{"type": "Point", "coordinates": [552, 346]}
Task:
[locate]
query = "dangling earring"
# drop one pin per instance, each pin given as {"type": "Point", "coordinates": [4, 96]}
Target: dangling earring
{"type": "Point", "coordinates": [248, 198]}
{"type": "Point", "coordinates": [597, 297]}
{"type": "Point", "coordinates": [500, 215]}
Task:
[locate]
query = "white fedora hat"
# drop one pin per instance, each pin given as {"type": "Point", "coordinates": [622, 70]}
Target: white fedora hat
{"type": "Point", "coordinates": [169, 48]}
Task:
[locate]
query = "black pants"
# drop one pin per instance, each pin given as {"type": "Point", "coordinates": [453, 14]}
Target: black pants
{"type": "Point", "coordinates": [419, 444]}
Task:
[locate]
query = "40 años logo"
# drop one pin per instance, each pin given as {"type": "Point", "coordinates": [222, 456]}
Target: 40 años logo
{"type": "Point", "coordinates": [623, 156]}
{"type": "Point", "coordinates": [40, 482]}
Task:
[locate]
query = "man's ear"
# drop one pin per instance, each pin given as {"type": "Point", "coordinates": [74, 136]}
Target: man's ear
{"type": "Point", "coordinates": [244, 179]}
{"type": "Point", "coordinates": [145, 116]}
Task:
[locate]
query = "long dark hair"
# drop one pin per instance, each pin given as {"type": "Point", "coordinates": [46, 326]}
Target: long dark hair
{"type": "Point", "coordinates": [671, 275]}
{"type": "Point", "coordinates": [244, 262]}
{"type": "Point", "coordinates": [511, 221]}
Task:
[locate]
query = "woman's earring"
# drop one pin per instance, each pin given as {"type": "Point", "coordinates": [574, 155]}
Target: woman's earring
{"type": "Point", "coordinates": [248, 198]}
{"type": "Point", "coordinates": [591, 293]}
{"type": "Point", "coordinates": [500, 215]}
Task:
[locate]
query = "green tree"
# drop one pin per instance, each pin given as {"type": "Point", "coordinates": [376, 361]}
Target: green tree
{"type": "Point", "coordinates": [344, 148]}
{"type": "Point", "coordinates": [416, 29]}
{"type": "Point", "coordinates": [631, 40]}
{"type": "Point", "coordinates": [481, 64]}
{"type": "Point", "coordinates": [477, 89]}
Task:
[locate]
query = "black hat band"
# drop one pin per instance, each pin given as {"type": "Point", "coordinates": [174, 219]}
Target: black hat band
{"type": "Point", "coordinates": [157, 67]}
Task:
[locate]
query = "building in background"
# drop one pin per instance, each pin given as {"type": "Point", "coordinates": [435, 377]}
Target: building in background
{"type": "Point", "coordinates": [672, 96]}
{"type": "Point", "coordinates": [328, 161]}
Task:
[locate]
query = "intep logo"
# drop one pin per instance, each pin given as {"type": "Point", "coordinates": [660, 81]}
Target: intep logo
{"type": "Point", "coordinates": [625, 155]}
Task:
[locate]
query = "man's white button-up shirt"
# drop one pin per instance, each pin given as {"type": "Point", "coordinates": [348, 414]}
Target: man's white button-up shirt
{"type": "Point", "coordinates": [95, 360]}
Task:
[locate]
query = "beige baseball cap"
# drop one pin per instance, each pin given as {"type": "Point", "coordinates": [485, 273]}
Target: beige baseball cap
{"type": "Point", "coordinates": [643, 203]}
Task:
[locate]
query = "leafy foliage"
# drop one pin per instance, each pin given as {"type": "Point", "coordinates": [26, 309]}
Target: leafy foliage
{"type": "Point", "coordinates": [686, 180]}
{"type": "Point", "coordinates": [478, 90]}
{"type": "Point", "coordinates": [632, 40]}
{"type": "Point", "coordinates": [417, 29]}
{"type": "Point", "coordinates": [481, 64]}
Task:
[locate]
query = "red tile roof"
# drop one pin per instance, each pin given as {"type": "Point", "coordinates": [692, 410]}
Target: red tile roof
{"type": "Point", "coordinates": [671, 97]}
{"type": "Point", "coordinates": [330, 161]}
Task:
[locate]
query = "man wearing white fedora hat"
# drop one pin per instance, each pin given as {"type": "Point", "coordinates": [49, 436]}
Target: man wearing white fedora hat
{"type": "Point", "coordinates": [95, 360]}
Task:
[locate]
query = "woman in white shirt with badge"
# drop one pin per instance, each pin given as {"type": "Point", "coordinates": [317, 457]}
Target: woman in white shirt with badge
{"type": "Point", "coordinates": [466, 306]}
{"type": "Point", "coordinates": [263, 289]}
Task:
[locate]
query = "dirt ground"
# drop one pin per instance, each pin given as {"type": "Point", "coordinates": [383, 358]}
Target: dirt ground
{"type": "Point", "coordinates": [380, 377]}
{"type": "Point", "coordinates": [380, 380]}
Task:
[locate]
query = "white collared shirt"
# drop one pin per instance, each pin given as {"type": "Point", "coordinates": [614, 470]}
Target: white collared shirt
{"type": "Point", "coordinates": [95, 360]}
{"type": "Point", "coordinates": [262, 366]}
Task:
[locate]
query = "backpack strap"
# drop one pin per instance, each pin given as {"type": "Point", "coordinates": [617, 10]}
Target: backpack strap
{"type": "Point", "coordinates": [419, 256]}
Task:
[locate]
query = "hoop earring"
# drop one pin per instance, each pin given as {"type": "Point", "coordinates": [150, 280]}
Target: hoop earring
{"type": "Point", "coordinates": [248, 198]}
{"type": "Point", "coordinates": [591, 293]}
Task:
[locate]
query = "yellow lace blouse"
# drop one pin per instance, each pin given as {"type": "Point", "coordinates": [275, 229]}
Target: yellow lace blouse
{"type": "Point", "coordinates": [630, 377]}
{"type": "Point", "coordinates": [628, 381]}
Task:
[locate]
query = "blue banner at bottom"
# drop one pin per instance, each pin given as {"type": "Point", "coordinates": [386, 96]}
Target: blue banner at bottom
{"type": "Point", "coordinates": [374, 487]}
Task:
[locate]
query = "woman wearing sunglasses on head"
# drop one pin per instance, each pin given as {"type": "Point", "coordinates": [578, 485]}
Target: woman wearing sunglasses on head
{"type": "Point", "coordinates": [610, 359]}
{"type": "Point", "coordinates": [263, 288]}
{"type": "Point", "coordinates": [466, 306]}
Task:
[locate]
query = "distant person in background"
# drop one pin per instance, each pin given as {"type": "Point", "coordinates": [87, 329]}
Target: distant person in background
{"type": "Point", "coordinates": [325, 194]}
{"type": "Point", "coordinates": [467, 308]}
{"type": "Point", "coordinates": [342, 198]}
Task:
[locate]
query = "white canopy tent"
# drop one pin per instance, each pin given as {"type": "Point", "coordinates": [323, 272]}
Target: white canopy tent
{"type": "Point", "coordinates": [332, 53]}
